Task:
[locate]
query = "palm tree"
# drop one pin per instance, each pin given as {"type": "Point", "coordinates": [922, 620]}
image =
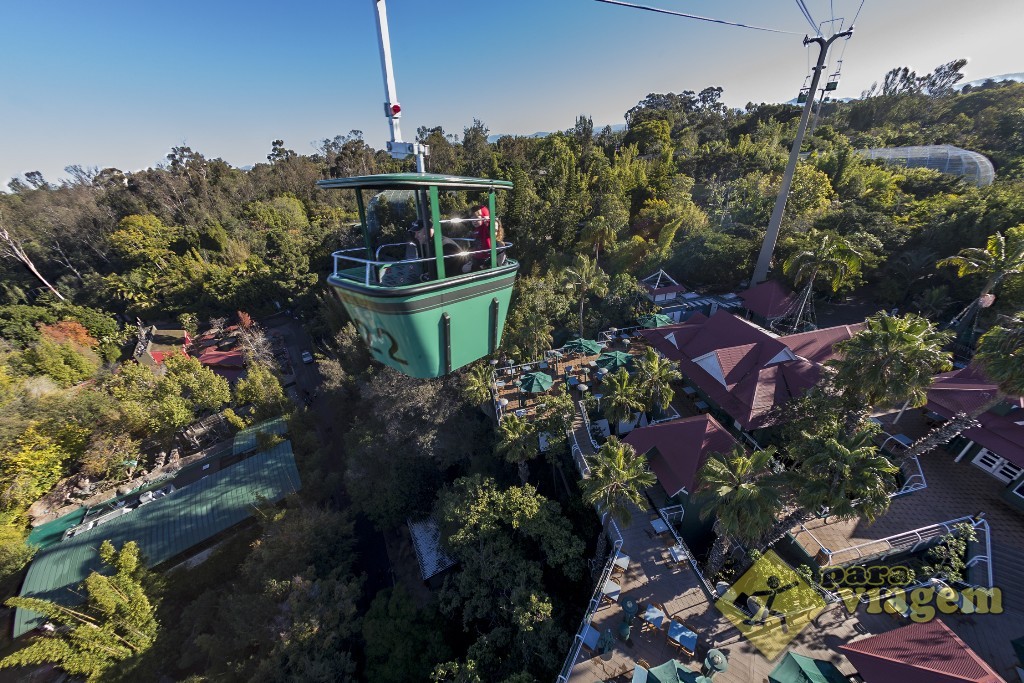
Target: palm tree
{"type": "Point", "coordinates": [621, 398]}
{"type": "Point", "coordinates": [833, 259]}
{"type": "Point", "coordinates": [891, 361]}
{"type": "Point", "coordinates": [655, 375]}
{"type": "Point", "coordinates": [599, 232]}
{"type": "Point", "coordinates": [477, 387]}
{"type": "Point", "coordinates": [933, 301]}
{"type": "Point", "coordinates": [517, 443]}
{"type": "Point", "coordinates": [845, 475]}
{"type": "Point", "coordinates": [742, 491]}
{"type": "Point", "coordinates": [1002, 256]}
{"type": "Point", "coordinates": [585, 278]}
{"type": "Point", "coordinates": [618, 478]}
{"type": "Point", "coordinates": [1001, 357]}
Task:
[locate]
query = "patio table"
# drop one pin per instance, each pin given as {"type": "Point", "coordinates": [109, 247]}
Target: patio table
{"type": "Point", "coordinates": [690, 392]}
{"type": "Point", "coordinates": [659, 526]}
{"type": "Point", "coordinates": [622, 562]}
{"type": "Point", "coordinates": [903, 440]}
{"type": "Point", "coordinates": [500, 383]}
{"type": "Point", "coordinates": [654, 616]}
{"type": "Point", "coordinates": [573, 381]}
{"type": "Point", "coordinates": [521, 412]}
{"type": "Point", "coordinates": [639, 674]}
{"type": "Point", "coordinates": [686, 638]}
{"type": "Point", "coordinates": [701, 406]}
{"type": "Point", "coordinates": [678, 554]}
{"type": "Point", "coordinates": [590, 637]}
{"type": "Point", "coordinates": [611, 590]}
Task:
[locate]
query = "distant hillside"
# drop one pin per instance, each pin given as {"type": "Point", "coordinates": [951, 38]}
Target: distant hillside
{"type": "Point", "coordinates": [543, 134]}
{"type": "Point", "coordinates": [1019, 76]}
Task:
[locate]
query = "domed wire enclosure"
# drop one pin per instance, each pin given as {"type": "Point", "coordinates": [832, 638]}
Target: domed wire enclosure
{"type": "Point", "coordinates": [973, 167]}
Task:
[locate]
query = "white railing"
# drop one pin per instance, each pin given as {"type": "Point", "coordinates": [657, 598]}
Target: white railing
{"type": "Point", "coordinates": [906, 542]}
{"type": "Point", "coordinates": [586, 426]}
{"type": "Point", "coordinates": [595, 600]}
{"type": "Point", "coordinates": [609, 337]}
{"type": "Point", "coordinates": [372, 266]}
{"type": "Point", "coordinates": [913, 477]}
{"type": "Point", "coordinates": [681, 545]}
{"type": "Point", "coordinates": [673, 414]}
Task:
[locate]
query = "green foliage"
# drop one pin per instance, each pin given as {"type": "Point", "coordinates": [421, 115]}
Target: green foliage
{"type": "Point", "coordinates": [504, 540]}
{"type": "Point", "coordinates": [890, 361]}
{"type": "Point", "coordinates": [116, 623]}
{"type": "Point", "coordinates": [618, 479]}
{"type": "Point", "coordinates": [621, 397]}
{"type": "Point", "coordinates": [29, 467]}
{"type": "Point", "coordinates": [63, 363]}
{"type": "Point", "coordinates": [1001, 354]}
{"type": "Point", "coordinates": [948, 559]}
{"type": "Point", "coordinates": [402, 642]}
{"type": "Point", "coordinates": [846, 476]}
{"type": "Point", "coordinates": [742, 492]}
{"type": "Point", "coordinates": [261, 388]}
{"type": "Point", "coordinates": [477, 386]}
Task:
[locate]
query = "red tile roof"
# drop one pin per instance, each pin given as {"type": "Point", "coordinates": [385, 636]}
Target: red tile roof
{"type": "Point", "coordinates": [817, 345]}
{"type": "Point", "coordinates": [966, 390]}
{"type": "Point", "coordinates": [741, 367]}
{"type": "Point", "coordinates": [918, 653]}
{"type": "Point", "coordinates": [770, 299]}
{"type": "Point", "coordinates": [232, 358]}
{"type": "Point", "coordinates": [678, 448]}
{"type": "Point", "coordinates": [738, 365]}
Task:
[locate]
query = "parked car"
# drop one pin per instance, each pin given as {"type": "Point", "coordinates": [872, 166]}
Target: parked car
{"type": "Point", "coordinates": [307, 357]}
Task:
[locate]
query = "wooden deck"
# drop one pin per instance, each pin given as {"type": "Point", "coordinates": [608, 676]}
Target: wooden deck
{"type": "Point", "coordinates": [558, 369]}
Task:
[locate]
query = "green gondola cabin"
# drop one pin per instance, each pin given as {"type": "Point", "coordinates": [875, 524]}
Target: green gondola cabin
{"type": "Point", "coordinates": [426, 302]}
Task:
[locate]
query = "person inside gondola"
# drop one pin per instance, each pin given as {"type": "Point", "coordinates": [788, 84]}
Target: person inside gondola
{"type": "Point", "coordinates": [453, 254]}
{"type": "Point", "coordinates": [482, 239]}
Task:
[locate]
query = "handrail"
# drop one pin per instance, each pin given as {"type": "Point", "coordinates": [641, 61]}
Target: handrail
{"type": "Point", "coordinates": [595, 600]}
{"type": "Point", "coordinates": [918, 536]}
{"type": "Point", "coordinates": [346, 255]}
{"type": "Point", "coordinates": [586, 425]}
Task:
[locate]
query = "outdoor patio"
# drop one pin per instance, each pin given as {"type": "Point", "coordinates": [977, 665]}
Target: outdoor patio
{"type": "Point", "coordinates": [565, 369]}
{"type": "Point", "coordinates": [955, 489]}
{"type": "Point", "coordinates": [654, 577]}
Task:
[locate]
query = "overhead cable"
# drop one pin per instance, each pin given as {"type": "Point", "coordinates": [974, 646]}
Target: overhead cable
{"type": "Point", "coordinates": [698, 18]}
{"type": "Point", "coordinates": [807, 15]}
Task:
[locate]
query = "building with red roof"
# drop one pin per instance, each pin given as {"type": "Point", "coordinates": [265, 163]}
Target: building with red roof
{"type": "Point", "coordinates": [767, 301]}
{"type": "Point", "coordinates": [918, 653]}
{"type": "Point", "coordinates": [996, 445]}
{"type": "Point", "coordinates": [741, 368]}
{"type": "Point", "coordinates": [677, 449]}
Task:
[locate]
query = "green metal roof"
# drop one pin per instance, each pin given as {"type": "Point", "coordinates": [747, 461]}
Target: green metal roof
{"type": "Point", "coordinates": [164, 528]}
{"type": "Point", "coordinates": [415, 180]}
{"type": "Point", "coordinates": [245, 440]}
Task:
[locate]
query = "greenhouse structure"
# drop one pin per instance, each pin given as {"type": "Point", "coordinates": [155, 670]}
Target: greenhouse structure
{"type": "Point", "coordinates": [975, 168]}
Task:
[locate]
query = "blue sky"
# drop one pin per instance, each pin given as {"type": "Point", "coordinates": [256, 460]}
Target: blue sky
{"type": "Point", "coordinates": [119, 83]}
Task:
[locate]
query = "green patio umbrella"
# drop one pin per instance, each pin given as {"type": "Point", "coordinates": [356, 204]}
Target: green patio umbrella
{"type": "Point", "coordinates": [655, 320]}
{"type": "Point", "coordinates": [536, 382]}
{"type": "Point", "coordinates": [613, 360]}
{"type": "Point", "coordinates": [796, 668]}
{"type": "Point", "coordinates": [584, 346]}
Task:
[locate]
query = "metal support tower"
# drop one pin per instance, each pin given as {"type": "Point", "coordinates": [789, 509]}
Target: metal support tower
{"type": "Point", "coordinates": [768, 246]}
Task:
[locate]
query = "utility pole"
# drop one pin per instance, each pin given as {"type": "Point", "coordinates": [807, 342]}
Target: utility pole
{"type": "Point", "coordinates": [768, 246]}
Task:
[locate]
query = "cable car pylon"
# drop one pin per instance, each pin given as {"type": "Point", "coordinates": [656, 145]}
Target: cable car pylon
{"type": "Point", "coordinates": [771, 236]}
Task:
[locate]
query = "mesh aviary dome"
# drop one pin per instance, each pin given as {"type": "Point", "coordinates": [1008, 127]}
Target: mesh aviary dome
{"type": "Point", "coordinates": [972, 166]}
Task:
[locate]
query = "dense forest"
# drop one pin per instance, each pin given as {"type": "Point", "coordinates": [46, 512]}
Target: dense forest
{"type": "Point", "coordinates": [688, 187]}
